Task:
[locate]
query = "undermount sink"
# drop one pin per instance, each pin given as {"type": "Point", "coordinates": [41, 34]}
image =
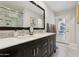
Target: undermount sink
{"type": "Point", "coordinates": [31, 36]}
{"type": "Point", "coordinates": [25, 36]}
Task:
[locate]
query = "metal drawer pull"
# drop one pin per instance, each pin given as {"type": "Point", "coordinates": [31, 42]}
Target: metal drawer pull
{"type": "Point", "coordinates": [37, 50]}
{"type": "Point", "coordinates": [34, 52]}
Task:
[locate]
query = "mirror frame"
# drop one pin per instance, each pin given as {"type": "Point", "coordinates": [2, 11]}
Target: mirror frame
{"type": "Point", "coordinates": [24, 28]}
{"type": "Point", "coordinates": [43, 13]}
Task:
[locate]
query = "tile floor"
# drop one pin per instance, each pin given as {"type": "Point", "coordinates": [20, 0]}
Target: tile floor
{"type": "Point", "coordinates": [63, 50]}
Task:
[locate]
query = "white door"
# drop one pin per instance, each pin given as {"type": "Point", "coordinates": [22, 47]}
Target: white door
{"type": "Point", "coordinates": [71, 31]}
{"type": "Point", "coordinates": [61, 29]}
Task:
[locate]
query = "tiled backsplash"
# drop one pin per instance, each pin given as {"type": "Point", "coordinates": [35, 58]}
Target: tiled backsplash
{"type": "Point", "coordinates": [11, 33]}
{"type": "Point", "coordinates": [6, 34]}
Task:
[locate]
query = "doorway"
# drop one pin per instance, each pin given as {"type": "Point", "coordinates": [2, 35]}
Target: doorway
{"type": "Point", "coordinates": [69, 33]}
{"type": "Point", "coordinates": [61, 30]}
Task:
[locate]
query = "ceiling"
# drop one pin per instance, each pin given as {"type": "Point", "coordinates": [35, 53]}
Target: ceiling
{"type": "Point", "coordinates": [58, 6]}
{"type": "Point", "coordinates": [21, 5]}
{"type": "Point", "coordinates": [55, 6]}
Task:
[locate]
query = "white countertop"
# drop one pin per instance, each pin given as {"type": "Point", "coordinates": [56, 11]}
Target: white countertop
{"type": "Point", "coordinates": [8, 42]}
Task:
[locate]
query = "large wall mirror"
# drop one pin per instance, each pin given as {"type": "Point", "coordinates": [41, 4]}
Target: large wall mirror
{"type": "Point", "coordinates": [39, 16]}
{"type": "Point", "coordinates": [20, 15]}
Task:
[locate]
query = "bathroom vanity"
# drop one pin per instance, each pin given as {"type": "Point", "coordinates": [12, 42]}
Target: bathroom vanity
{"type": "Point", "coordinates": [20, 16]}
{"type": "Point", "coordinates": [37, 45]}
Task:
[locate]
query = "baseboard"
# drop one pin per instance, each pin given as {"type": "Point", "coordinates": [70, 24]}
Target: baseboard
{"type": "Point", "coordinates": [62, 42]}
{"type": "Point", "coordinates": [69, 45]}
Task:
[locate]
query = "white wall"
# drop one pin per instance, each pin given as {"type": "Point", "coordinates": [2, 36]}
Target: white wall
{"type": "Point", "coordinates": [77, 32]}
{"type": "Point", "coordinates": [49, 15]}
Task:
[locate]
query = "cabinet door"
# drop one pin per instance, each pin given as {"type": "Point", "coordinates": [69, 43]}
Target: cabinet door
{"type": "Point", "coordinates": [30, 51]}
{"type": "Point", "coordinates": [37, 48]}
{"type": "Point", "coordinates": [8, 53]}
{"type": "Point", "coordinates": [13, 52]}
{"type": "Point", "coordinates": [54, 42]}
{"type": "Point", "coordinates": [44, 48]}
{"type": "Point", "coordinates": [50, 45]}
{"type": "Point", "coordinates": [41, 49]}
{"type": "Point", "coordinates": [20, 53]}
{"type": "Point", "coordinates": [38, 51]}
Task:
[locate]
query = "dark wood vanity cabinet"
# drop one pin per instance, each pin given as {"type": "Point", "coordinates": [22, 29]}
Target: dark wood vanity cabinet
{"type": "Point", "coordinates": [42, 47]}
{"type": "Point", "coordinates": [51, 45]}
{"type": "Point", "coordinates": [29, 51]}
